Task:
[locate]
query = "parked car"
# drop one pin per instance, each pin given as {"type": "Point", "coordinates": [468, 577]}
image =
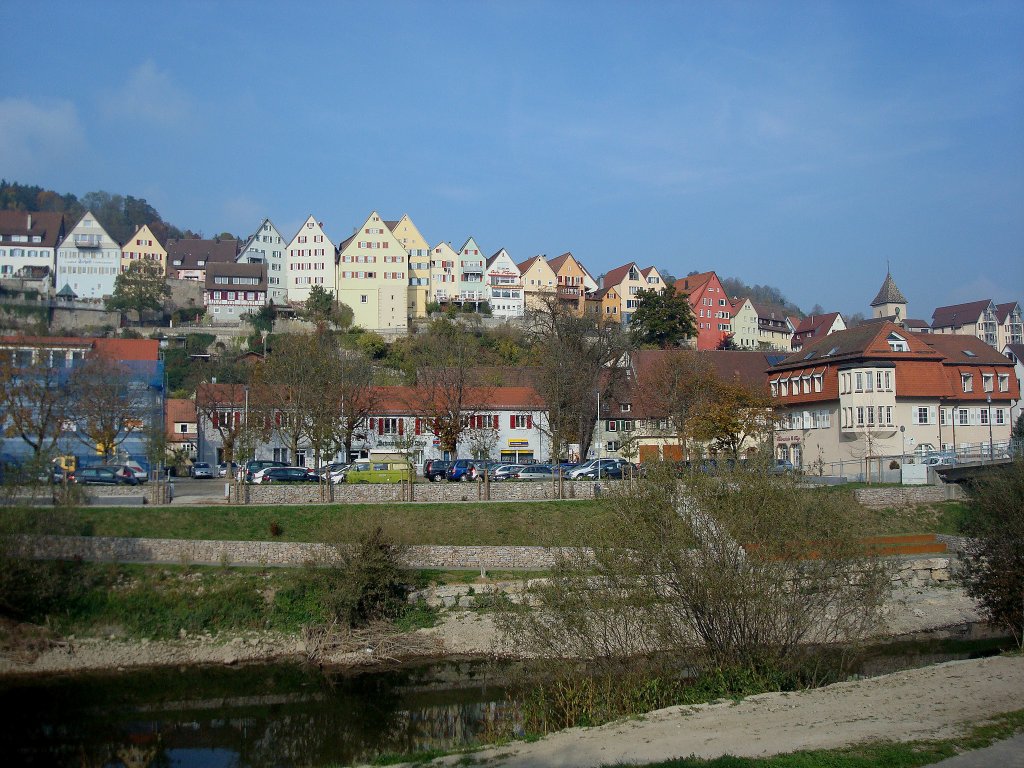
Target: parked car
{"type": "Point", "coordinates": [104, 475]}
{"type": "Point", "coordinates": [201, 470]}
{"type": "Point", "coordinates": [505, 471]}
{"type": "Point", "coordinates": [939, 460]}
{"type": "Point", "coordinates": [462, 471]}
{"type": "Point", "coordinates": [285, 475]}
{"type": "Point", "coordinates": [255, 465]}
{"type": "Point", "coordinates": [391, 469]}
{"type": "Point", "coordinates": [781, 467]}
{"type": "Point", "coordinates": [140, 474]}
{"type": "Point", "coordinates": [227, 470]}
{"type": "Point", "coordinates": [533, 472]}
{"type": "Point", "coordinates": [595, 468]}
{"type": "Point", "coordinates": [436, 470]}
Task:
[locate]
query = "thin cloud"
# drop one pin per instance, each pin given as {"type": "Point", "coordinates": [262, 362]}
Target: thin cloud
{"type": "Point", "coordinates": [37, 136]}
{"type": "Point", "coordinates": [149, 96]}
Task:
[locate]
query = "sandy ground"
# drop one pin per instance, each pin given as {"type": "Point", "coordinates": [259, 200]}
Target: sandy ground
{"type": "Point", "coordinates": [930, 703]}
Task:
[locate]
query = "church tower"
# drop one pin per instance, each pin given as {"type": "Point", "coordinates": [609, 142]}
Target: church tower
{"type": "Point", "coordinates": [890, 302]}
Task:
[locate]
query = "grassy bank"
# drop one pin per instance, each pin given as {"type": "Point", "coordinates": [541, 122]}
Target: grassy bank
{"type": "Point", "coordinates": [539, 523]}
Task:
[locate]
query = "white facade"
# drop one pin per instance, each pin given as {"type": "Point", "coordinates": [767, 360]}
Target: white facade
{"type": "Point", "coordinates": [472, 266]}
{"type": "Point", "coordinates": [444, 273]}
{"type": "Point", "coordinates": [266, 246]}
{"type": "Point", "coordinates": [88, 260]}
{"type": "Point", "coordinates": [309, 261]}
{"type": "Point", "coordinates": [505, 286]}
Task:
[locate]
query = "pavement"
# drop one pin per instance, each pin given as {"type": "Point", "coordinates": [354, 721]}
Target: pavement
{"type": "Point", "coordinates": [1002, 754]}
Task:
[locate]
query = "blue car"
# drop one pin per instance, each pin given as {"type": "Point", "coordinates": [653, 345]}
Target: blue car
{"type": "Point", "coordinates": [462, 471]}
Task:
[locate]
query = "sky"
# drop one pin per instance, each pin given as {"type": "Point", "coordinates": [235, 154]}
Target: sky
{"type": "Point", "coordinates": [805, 145]}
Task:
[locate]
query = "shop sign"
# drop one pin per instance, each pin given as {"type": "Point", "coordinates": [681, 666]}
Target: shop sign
{"type": "Point", "coordinates": [518, 443]}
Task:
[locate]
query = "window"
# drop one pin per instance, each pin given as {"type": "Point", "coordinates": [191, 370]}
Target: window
{"type": "Point", "coordinates": [869, 384]}
{"type": "Point", "coordinates": [860, 416]}
{"type": "Point", "coordinates": [626, 407]}
{"type": "Point", "coordinates": [871, 415]}
{"type": "Point", "coordinates": [1000, 416]}
{"type": "Point", "coordinates": [362, 299]}
{"type": "Point", "coordinates": [967, 380]}
{"type": "Point", "coordinates": [860, 382]}
{"type": "Point", "coordinates": [987, 381]}
{"type": "Point", "coordinates": [962, 417]}
{"type": "Point", "coordinates": [920, 415]}
{"type": "Point", "coordinates": [521, 421]}
{"type": "Point", "coordinates": [611, 425]}
{"type": "Point", "coordinates": [984, 416]}
{"type": "Point", "coordinates": [1004, 382]}
{"type": "Point", "coordinates": [817, 382]}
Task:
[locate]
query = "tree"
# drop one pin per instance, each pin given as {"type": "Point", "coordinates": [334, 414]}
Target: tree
{"type": "Point", "coordinates": [737, 413]}
{"type": "Point", "coordinates": [36, 400]}
{"type": "Point", "coordinates": [760, 294]}
{"type": "Point", "coordinates": [321, 309]}
{"type": "Point", "coordinates": [994, 562]}
{"type": "Point", "coordinates": [1017, 434]}
{"type": "Point", "coordinates": [677, 391]}
{"type": "Point", "coordinates": [664, 319]}
{"type": "Point", "coordinates": [222, 406]}
{"type": "Point", "coordinates": [579, 361]}
{"type": "Point", "coordinates": [751, 574]}
{"type": "Point", "coordinates": [142, 288]}
{"type": "Point", "coordinates": [109, 402]}
{"type": "Point", "coordinates": [262, 320]}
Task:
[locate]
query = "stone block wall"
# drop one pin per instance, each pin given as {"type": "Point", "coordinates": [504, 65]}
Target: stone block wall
{"type": "Point", "coordinates": [881, 498]}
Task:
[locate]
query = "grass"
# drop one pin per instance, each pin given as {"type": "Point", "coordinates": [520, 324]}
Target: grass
{"type": "Point", "coordinates": [540, 523]}
{"type": "Point", "coordinates": [889, 754]}
{"type": "Point", "coordinates": [935, 517]}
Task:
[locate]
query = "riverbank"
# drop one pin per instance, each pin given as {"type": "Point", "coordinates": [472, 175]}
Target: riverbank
{"type": "Point", "coordinates": [460, 633]}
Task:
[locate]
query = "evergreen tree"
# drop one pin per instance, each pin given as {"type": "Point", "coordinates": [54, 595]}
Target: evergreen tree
{"type": "Point", "coordinates": [663, 319]}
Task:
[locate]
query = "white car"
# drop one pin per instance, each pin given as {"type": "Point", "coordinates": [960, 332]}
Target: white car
{"type": "Point", "coordinates": [140, 474]}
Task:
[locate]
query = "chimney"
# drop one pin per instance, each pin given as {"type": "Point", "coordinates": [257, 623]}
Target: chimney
{"type": "Point", "coordinates": [29, 225]}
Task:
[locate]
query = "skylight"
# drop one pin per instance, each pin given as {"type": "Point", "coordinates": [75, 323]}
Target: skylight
{"type": "Point", "coordinates": [809, 355]}
{"type": "Point", "coordinates": [969, 353]}
{"type": "Point", "coordinates": [831, 352]}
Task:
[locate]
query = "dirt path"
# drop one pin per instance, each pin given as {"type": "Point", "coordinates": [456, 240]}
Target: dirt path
{"type": "Point", "coordinates": [929, 703]}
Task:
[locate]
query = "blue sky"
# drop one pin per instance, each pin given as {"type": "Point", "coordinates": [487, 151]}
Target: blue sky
{"type": "Point", "coordinates": [795, 144]}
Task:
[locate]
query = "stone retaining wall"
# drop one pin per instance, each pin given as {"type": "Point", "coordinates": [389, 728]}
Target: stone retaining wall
{"type": "Point", "coordinates": [308, 493]}
{"type": "Point", "coordinates": [881, 498]}
{"type": "Point", "coordinates": [907, 571]}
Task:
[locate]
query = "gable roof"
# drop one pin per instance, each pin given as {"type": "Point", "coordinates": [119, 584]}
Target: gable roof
{"type": "Point", "coordinates": [233, 269]}
{"type": "Point", "coordinates": [47, 225]}
{"type": "Point", "coordinates": [693, 282]}
{"type": "Point", "coordinates": [815, 324]}
{"type": "Point", "coordinates": [617, 275]}
{"type": "Point", "coordinates": [889, 293]}
{"type": "Point", "coordinates": [1017, 350]}
{"type": "Point", "coordinates": [959, 314]}
{"type": "Point", "coordinates": [963, 349]}
{"type": "Point", "coordinates": [1003, 311]}
{"type": "Point", "coordinates": [179, 410]}
{"type": "Point", "coordinates": [525, 265]}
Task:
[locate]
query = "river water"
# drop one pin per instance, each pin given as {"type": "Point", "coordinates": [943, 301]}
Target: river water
{"type": "Point", "coordinates": [290, 715]}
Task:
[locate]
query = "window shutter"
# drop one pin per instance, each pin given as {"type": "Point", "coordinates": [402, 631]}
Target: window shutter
{"type": "Point", "coordinates": [216, 419]}
{"type": "Point", "coordinates": [373, 425]}
{"type": "Point", "coordinates": [380, 426]}
{"type": "Point", "coordinates": [511, 421]}
{"type": "Point", "coordinates": [418, 426]}
{"type": "Point", "coordinates": [495, 421]}
{"type": "Point", "coordinates": [401, 427]}
{"type": "Point", "coordinates": [932, 414]}
{"type": "Point", "coordinates": [238, 418]}
{"type": "Point", "coordinates": [529, 422]}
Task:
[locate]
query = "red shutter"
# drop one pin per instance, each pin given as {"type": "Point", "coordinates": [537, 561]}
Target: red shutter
{"type": "Point", "coordinates": [373, 425]}
{"type": "Point", "coordinates": [238, 418]}
{"type": "Point", "coordinates": [380, 426]}
{"type": "Point", "coordinates": [529, 422]}
{"type": "Point", "coordinates": [401, 427]}
{"type": "Point", "coordinates": [215, 419]}
{"type": "Point", "coordinates": [495, 421]}
{"type": "Point", "coordinates": [277, 418]}
{"type": "Point", "coordinates": [417, 426]}
{"type": "Point", "coordinates": [511, 421]}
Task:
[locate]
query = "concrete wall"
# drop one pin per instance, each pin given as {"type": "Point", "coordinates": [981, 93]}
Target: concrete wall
{"type": "Point", "coordinates": [76, 320]}
{"type": "Point", "coordinates": [906, 571]}
{"type": "Point", "coordinates": [881, 498]}
{"type": "Point", "coordinates": [422, 492]}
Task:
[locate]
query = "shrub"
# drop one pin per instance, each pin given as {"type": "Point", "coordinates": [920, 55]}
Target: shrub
{"type": "Point", "coordinates": [994, 562]}
{"type": "Point", "coordinates": [367, 582]}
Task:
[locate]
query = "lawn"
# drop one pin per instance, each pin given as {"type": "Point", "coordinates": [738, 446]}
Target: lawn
{"type": "Point", "coordinates": [540, 523]}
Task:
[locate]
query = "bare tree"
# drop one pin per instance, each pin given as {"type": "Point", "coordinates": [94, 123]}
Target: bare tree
{"type": "Point", "coordinates": [222, 406]}
{"type": "Point", "coordinates": [37, 404]}
{"type": "Point", "coordinates": [110, 401]}
{"type": "Point", "coordinates": [579, 362]}
{"type": "Point", "coordinates": [676, 392]}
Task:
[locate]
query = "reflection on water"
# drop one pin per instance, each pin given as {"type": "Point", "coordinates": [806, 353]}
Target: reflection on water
{"type": "Point", "coordinates": [252, 716]}
{"type": "Point", "coordinates": [290, 715]}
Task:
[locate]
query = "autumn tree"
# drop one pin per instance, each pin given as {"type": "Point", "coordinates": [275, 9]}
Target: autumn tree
{"type": "Point", "coordinates": [578, 363]}
{"type": "Point", "coordinates": [324, 311]}
{"type": "Point", "coordinates": [109, 401]}
{"type": "Point", "coordinates": [662, 318]}
{"type": "Point", "coordinates": [676, 389]}
{"type": "Point", "coordinates": [222, 406]}
{"type": "Point", "coordinates": [142, 288]}
{"type": "Point", "coordinates": [36, 399]}
{"type": "Point", "coordinates": [736, 414]}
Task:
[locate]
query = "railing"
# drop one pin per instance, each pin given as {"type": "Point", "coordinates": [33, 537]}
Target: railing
{"type": "Point", "coordinates": [87, 241]}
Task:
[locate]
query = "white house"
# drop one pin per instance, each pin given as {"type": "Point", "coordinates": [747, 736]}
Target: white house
{"type": "Point", "coordinates": [309, 261]}
{"type": "Point", "coordinates": [266, 246]}
{"type": "Point", "coordinates": [88, 260]}
{"type": "Point", "coordinates": [505, 286]}
{"type": "Point", "coordinates": [29, 240]}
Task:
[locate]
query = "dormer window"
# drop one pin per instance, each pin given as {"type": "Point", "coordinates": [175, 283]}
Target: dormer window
{"type": "Point", "coordinates": [987, 381]}
{"type": "Point", "coordinates": [897, 343]}
{"type": "Point", "coordinates": [202, 263]}
{"type": "Point", "coordinates": [967, 381]}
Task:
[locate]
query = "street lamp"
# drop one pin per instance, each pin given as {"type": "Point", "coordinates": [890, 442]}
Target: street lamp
{"type": "Point", "coordinates": [599, 425]}
{"type": "Point", "coordinates": [988, 399]}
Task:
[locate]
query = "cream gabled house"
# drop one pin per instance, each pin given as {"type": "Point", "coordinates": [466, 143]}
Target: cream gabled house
{"type": "Point", "coordinates": [145, 247]}
{"type": "Point", "coordinates": [418, 252]}
{"type": "Point", "coordinates": [266, 246]}
{"type": "Point", "coordinates": [88, 260]}
{"type": "Point", "coordinates": [309, 261]}
{"type": "Point", "coordinates": [472, 266]}
{"type": "Point", "coordinates": [373, 276]}
{"type": "Point", "coordinates": [29, 240]}
{"type": "Point", "coordinates": [505, 286]}
{"type": "Point", "coordinates": [628, 280]}
{"type": "Point", "coordinates": [539, 281]}
{"type": "Point", "coordinates": [745, 333]}
{"type": "Point", "coordinates": [444, 273]}
{"type": "Point", "coordinates": [571, 282]}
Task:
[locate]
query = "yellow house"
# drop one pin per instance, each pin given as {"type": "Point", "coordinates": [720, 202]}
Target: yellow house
{"type": "Point", "coordinates": [628, 280]}
{"type": "Point", "coordinates": [571, 282]}
{"type": "Point", "coordinates": [444, 273]}
{"type": "Point", "coordinates": [538, 279]}
{"type": "Point", "coordinates": [144, 246]}
{"type": "Point", "coordinates": [745, 334]}
{"type": "Point", "coordinates": [373, 276]}
{"type": "Point", "coordinates": [603, 305]}
{"type": "Point", "coordinates": [418, 251]}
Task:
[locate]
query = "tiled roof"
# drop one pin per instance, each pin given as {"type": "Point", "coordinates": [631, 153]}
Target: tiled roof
{"type": "Point", "coordinates": [691, 283]}
{"type": "Point", "coordinates": [128, 349]}
{"type": "Point", "coordinates": [956, 315]}
{"type": "Point", "coordinates": [557, 262]}
{"type": "Point", "coordinates": [814, 324]}
{"type": "Point", "coordinates": [1017, 350]}
{"type": "Point", "coordinates": [191, 252]}
{"type": "Point", "coordinates": [178, 411]}
{"type": "Point", "coordinates": [230, 270]}
{"type": "Point", "coordinates": [889, 293]}
{"type": "Point", "coordinates": [617, 275]}
{"type": "Point", "coordinates": [47, 225]}
{"type": "Point", "coordinates": [959, 348]}
{"type": "Point", "coordinates": [1003, 311]}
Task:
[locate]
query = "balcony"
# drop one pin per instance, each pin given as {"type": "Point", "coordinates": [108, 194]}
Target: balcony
{"type": "Point", "coordinates": [88, 241]}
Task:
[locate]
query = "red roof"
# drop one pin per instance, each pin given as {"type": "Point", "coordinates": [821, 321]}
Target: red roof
{"type": "Point", "coordinates": [112, 349]}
